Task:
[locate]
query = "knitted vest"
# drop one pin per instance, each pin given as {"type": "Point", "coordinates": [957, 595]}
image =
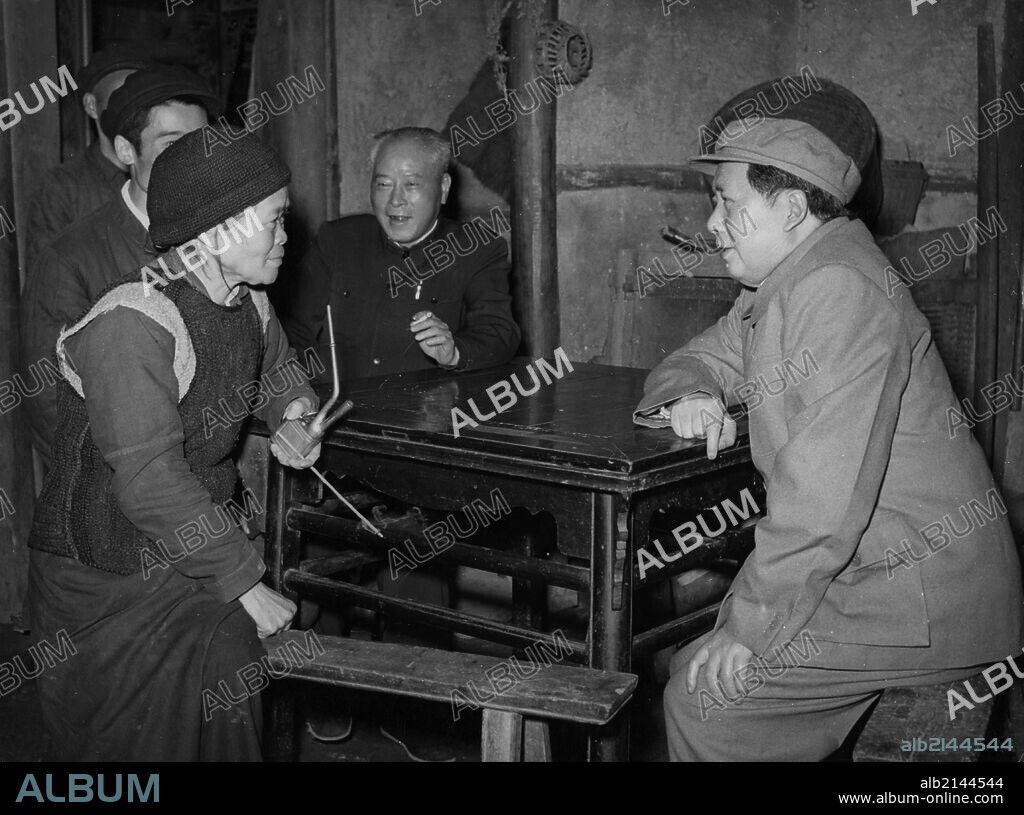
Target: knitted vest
{"type": "Point", "coordinates": [218, 349]}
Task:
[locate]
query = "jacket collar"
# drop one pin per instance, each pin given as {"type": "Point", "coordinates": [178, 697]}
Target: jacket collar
{"type": "Point", "coordinates": [392, 248]}
{"type": "Point", "coordinates": [771, 284]}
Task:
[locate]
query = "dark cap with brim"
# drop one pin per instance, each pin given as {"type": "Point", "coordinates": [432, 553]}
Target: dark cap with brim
{"type": "Point", "coordinates": [796, 147]}
{"type": "Point", "coordinates": [151, 87]}
{"type": "Point", "coordinates": [120, 57]}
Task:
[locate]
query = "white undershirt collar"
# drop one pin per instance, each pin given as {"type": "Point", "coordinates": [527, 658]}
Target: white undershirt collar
{"type": "Point", "coordinates": [420, 240]}
{"type": "Point", "coordinates": [140, 216]}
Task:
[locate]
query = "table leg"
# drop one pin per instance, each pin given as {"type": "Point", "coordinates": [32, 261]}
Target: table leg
{"type": "Point", "coordinates": [281, 552]}
{"type": "Point", "coordinates": [529, 597]}
{"type": "Point", "coordinates": [611, 614]}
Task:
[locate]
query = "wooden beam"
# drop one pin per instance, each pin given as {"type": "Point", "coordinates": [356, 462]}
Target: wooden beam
{"type": "Point", "coordinates": [534, 245]}
{"type": "Point", "coordinates": [579, 177]}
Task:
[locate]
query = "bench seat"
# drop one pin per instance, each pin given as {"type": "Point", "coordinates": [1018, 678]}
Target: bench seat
{"type": "Point", "coordinates": [549, 691]}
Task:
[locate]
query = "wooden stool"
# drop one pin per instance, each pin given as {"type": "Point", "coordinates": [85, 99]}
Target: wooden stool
{"type": "Point", "coordinates": [908, 714]}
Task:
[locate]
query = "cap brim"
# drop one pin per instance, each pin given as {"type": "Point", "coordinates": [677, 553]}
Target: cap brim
{"type": "Point", "coordinates": [708, 163]}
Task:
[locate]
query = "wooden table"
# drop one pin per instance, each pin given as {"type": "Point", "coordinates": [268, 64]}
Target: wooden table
{"type": "Point", "coordinates": [570, 450]}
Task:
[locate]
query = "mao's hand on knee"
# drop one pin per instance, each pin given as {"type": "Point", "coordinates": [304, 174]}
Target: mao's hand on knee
{"type": "Point", "coordinates": [720, 657]}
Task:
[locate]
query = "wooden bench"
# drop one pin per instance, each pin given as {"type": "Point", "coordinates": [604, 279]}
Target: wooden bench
{"type": "Point", "coordinates": [908, 714]}
{"type": "Point", "coordinates": [515, 720]}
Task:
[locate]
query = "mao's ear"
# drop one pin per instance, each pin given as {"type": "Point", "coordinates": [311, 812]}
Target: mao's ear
{"type": "Point", "coordinates": [446, 185]}
{"type": "Point", "coordinates": [797, 208]}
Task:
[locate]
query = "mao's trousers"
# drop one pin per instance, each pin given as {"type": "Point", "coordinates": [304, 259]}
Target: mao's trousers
{"type": "Point", "coordinates": [783, 712]}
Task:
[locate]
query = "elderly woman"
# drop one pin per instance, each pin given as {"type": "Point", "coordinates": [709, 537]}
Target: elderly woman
{"type": "Point", "coordinates": [133, 555]}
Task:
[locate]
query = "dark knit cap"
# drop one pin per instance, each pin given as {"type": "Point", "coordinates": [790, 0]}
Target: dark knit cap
{"type": "Point", "coordinates": [118, 57]}
{"type": "Point", "coordinates": [192, 190]}
{"type": "Point", "coordinates": [151, 87]}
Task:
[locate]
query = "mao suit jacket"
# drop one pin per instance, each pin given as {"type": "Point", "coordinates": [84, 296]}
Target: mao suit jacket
{"type": "Point", "coordinates": [885, 538]}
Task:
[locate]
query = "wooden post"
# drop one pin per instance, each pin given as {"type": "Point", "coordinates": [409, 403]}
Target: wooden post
{"type": "Point", "coordinates": [502, 736]}
{"type": "Point", "coordinates": [27, 148]}
{"type": "Point", "coordinates": [534, 246]}
{"type": "Point", "coordinates": [292, 37]}
{"type": "Point", "coordinates": [1011, 208]}
{"type": "Point", "coordinates": [988, 252]}
{"type": "Point", "coordinates": [74, 39]}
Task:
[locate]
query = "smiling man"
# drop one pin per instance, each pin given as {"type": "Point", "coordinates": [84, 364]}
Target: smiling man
{"type": "Point", "coordinates": [409, 290]}
{"type": "Point", "coordinates": [148, 113]}
{"type": "Point", "coordinates": [855, 585]}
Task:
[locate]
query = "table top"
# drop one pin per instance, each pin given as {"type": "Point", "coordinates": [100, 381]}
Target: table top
{"type": "Point", "coordinates": [583, 420]}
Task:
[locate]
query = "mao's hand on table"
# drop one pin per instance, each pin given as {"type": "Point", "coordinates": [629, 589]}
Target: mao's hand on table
{"type": "Point", "coordinates": [272, 612]}
{"type": "Point", "coordinates": [721, 657]}
{"type": "Point", "coordinates": [295, 410]}
{"type": "Point", "coordinates": [700, 416]}
{"type": "Point", "coordinates": [435, 338]}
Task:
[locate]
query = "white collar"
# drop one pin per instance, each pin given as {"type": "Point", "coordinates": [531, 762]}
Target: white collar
{"type": "Point", "coordinates": [140, 216]}
{"type": "Point", "coordinates": [418, 241]}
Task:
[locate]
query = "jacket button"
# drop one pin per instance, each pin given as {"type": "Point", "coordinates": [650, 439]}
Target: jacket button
{"type": "Point", "coordinates": [376, 361]}
{"type": "Point", "coordinates": [345, 293]}
{"type": "Point", "coordinates": [433, 301]}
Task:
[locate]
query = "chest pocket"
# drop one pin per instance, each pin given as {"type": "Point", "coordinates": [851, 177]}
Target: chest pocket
{"type": "Point", "coordinates": [442, 297]}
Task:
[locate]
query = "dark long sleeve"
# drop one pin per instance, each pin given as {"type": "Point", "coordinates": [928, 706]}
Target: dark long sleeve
{"type": "Point", "coordinates": [52, 210]}
{"type": "Point", "coordinates": [64, 280]}
{"type": "Point", "coordinates": [67, 193]}
{"type": "Point", "coordinates": [488, 334]}
{"type": "Point", "coordinates": [460, 274]}
{"type": "Point", "coordinates": [54, 297]}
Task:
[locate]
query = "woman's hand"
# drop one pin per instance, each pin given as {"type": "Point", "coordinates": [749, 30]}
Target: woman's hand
{"type": "Point", "coordinates": [272, 612]}
{"type": "Point", "coordinates": [296, 409]}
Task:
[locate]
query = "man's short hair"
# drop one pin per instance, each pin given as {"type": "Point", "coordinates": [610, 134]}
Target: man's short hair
{"type": "Point", "coordinates": [770, 181]}
{"type": "Point", "coordinates": [430, 141]}
{"type": "Point", "coordinates": [138, 120]}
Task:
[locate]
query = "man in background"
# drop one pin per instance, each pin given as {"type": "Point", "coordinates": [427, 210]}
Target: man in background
{"type": "Point", "coordinates": [151, 110]}
{"type": "Point", "coordinates": [83, 184]}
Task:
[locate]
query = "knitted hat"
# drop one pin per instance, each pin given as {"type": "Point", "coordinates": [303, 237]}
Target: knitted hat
{"type": "Point", "coordinates": [790, 145]}
{"type": "Point", "coordinates": [151, 87]}
{"type": "Point", "coordinates": [191, 191]}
